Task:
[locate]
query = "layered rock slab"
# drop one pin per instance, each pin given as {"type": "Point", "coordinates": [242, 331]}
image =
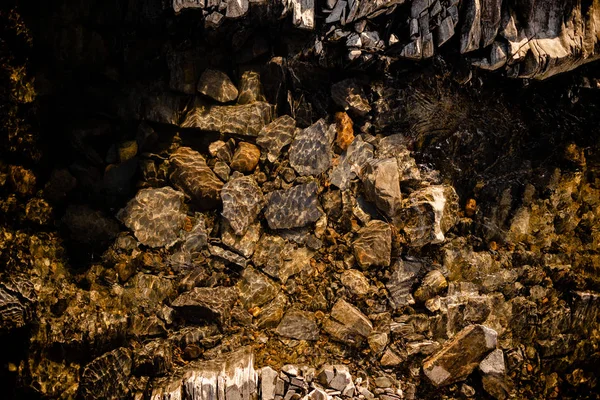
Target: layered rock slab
{"type": "Point", "coordinates": [373, 246]}
{"type": "Point", "coordinates": [247, 119]}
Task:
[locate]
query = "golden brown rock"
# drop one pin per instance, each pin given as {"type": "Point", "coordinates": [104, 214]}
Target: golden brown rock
{"type": "Point", "coordinates": [344, 130]}
{"type": "Point", "coordinates": [245, 158]}
{"type": "Point", "coordinates": [470, 207]}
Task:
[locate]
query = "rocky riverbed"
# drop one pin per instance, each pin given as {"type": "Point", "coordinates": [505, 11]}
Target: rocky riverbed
{"type": "Point", "coordinates": [299, 200]}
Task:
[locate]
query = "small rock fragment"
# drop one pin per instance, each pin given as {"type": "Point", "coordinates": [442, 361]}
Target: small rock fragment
{"type": "Point", "coordinates": [373, 247]}
{"type": "Point", "coordinates": [493, 363]}
{"type": "Point", "coordinates": [344, 130]}
{"type": "Point", "coordinates": [348, 324]}
{"type": "Point", "coordinates": [404, 275]}
{"type": "Point", "coordinates": [250, 88]}
{"type": "Point", "coordinates": [297, 324]}
{"type": "Point", "coordinates": [310, 152]}
{"type": "Point", "coordinates": [217, 85]}
{"type": "Point", "coordinates": [293, 208]}
{"type": "Point", "coordinates": [245, 158]}
{"type": "Point", "coordinates": [242, 202]}
{"type": "Point", "coordinates": [356, 282]}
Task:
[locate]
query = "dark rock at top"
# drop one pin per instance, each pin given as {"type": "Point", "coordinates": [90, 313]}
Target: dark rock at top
{"type": "Point", "coordinates": [293, 208]}
{"type": "Point", "coordinates": [216, 84]}
{"type": "Point", "coordinates": [310, 152]}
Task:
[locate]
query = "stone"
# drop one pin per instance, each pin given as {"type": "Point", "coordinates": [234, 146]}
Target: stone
{"type": "Point", "coordinates": [201, 304]}
{"type": "Point", "coordinates": [303, 14]}
{"type": "Point", "coordinates": [179, 5]}
{"type": "Point", "coordinates": [268, 378]}
{"type": "Point", "coordinates": [373, 246]}
{"type": "Point", "coordinates": [127, 150]}
{"type": "Point", "coordinates": [154, 359]}
{"type": "Point", "coordinates": [16, 300]}
{"type": "Point", "coordinates": [250, 88]}
{"type": "Point", "coordinates": [217, 85]}
{"type": "Point", "coordinates": [381, 183]}
{"type": "Point", "coordinates": [310, 152]}
{"type": "Point", "coordinates": [155, 216]}
{"type": "Point", "coordinates": [192, 175]}
{"type": "Point", "coordinates": [221, 150]}
{"type": "Point", "coordinates": [378, 341]}
{"type": "Point", "coordinates": [390, 359]}
{"type": "Point", "coordinates": [348, 95]}
{"type": "Point", "coordinates": [300, 325]}
{"type": "Point", "coordinates": [493, 363]}
{"type": "Point", "coordinates": [276, 135]}
{"type": "Point", "coordinates": [433, 283]}
{"type": "Point", "coordinates": [404, 276]}
{"type": "Point", "coordinates": [428, 214]}
{"type": "Point", "coordinates": [342, 380]}
{"type": "Point", "coordinates": [460, 355]}
{"type": "Point", "coordinates": [471, 29]}
{"type": "Point", "coordinates": [255, 288]}
{"type": "Point", "coordinates": [444, 31]}
{"type": "Point", "coordinates": [337, 12]}
{"type": "Point", "coordinates": [222, 170]}
{"type": "Point", "coordinates": [272, 313]}
{"type": "Point", "coordinates": [344, 130]}
{"type": "Point", "coordinates": [242, 244]}
{"type": "Point", "coordinates": [246, 119]}
{"type": "Point", "coordinates": [347, 324]}
{"type": "Point", "coordinates": [228, 256]}
{"type": "Point", "coordinates": [293, 208]}
{"type": "Point", "coordinates": [106, 376]}
{"type": "Point", "coordinates": [355, 282]}
{"type": "Point", "coordinates": [242, 202]}
{"type": "Point", "coordinates": [351, 163]}
{"type": "Point", "coordinates": [245, 158]}
{"type": "Point", "coordinates": [237, 8]}
{"type": "Point", "coordinates": [213, 20]}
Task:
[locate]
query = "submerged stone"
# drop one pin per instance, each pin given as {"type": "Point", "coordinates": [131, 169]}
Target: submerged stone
{"type": "Point", "coordinates": [404, 276]}
{"type": "Point", "coordinates": [348, 324]}
{"type": "Point", "coordinates": [106, 376]}
{"type": "Point", "coordinates": [293, 208]}
{"type": "Point", "coordinates": [351, 97]}
{"type": "Point", "coordinates": [310, 152]}
{"type": "Point", "coordinates": [300, 325]}
{"type": "Point", "coordinates": [255, 288]}
{"type": "Point", "coordinates": [245, 158]}
{"type": "Point", "coordinates": [351, 163]}
{"type": "Point", "coordinates": [373, 247]}
{"type": "Point", "coordinates": [381, 182]}
{"type": "Point", "coordinates": [201, 304]}
{"type": "Point", "coordinates": [216, 84]}
{"type": "Point", "coordinates": [250, 88]}
{"type": "Point", "coordinates": [276, 135]}
{"type": "Point", "coordinates": [242, 202]}
{"type": "Point", "coordinates": [247, 119]}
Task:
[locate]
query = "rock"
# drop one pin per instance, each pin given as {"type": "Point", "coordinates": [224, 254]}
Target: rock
{"type": "Point", "coordinates": [206, 304]}
{"type": "Point", "coordinates": [381, 183]}
{"type": "Point", "coordinates": [276, 135]}
{"type": "Point", "coordinates": [460, 355]}
{"type": "Point", "coordinates": [192, 176]}
{"type": "Point", "coordinates": [217, 85]}
{"type": "Point", "coordinates": [268, 378]}
{"type": "Point", "coordinates": [348, 324]}
{"type": "Point", "coordinates": [493, 363]}
{"type": "Point", "coordinates": [155, 216]}
{"type": "Point", "coordinates": [213, 20]}
{"type": "Point", "coordinates": [293, 208]}
{"type": "Point", "coordinates": [373, 246]}
{"type": "Point", "coordinates": [237, 8]}
{"type": "Point", "coordinates": [378, 341]}
{"type": "Point", "coordinates": [223, 151]}
{"type": "Point", "coordinates": [90, 227]}
{"type": "Point", "coordinates": [300, 325]}
{"type": "Point", "coordinates": [433, 283]}
{"type": "Point", "coordinates": [241, 244]}
{"type": "Point", "coordinates": [250, 88]}
{"type": "Point", "coordinates": [179, 5]}
{"type": "Point", "coordinates": [303, 13]}
{"type": "Point", "coordinates": [228, 256]}
{"type": "Point", "coordinates": [344, 130]}
{"type": "Point", "coordinates": [428, 214]}
{"type": "Point", "coordinates": [106, 377]}
{"type": "Point", "coordinates": [355, 282]}
{"type": "Point", "coordinates": [404, 276]}
{"type": "Point", "coordinates": [351, 163]}
{"type": "Point", "coordinates": [280, 259]}
{"type": "Point", "coordinates": [127, 150]}
{"type": "Point", "coordinates": [154, 359]}
{"type": "Point", "coordinates": [390, 359]}
{"type": "Point", "coordinates": [242, 202]}
{"type": "Point", "coordinates": [246, 119]}
{"type": "Point", "coordinates": [255, 288]}
{"type": "Point", "coordinates": [17, 298]}
{"type": "Point", "coordinates": [342, 381]}
{"type": "Point", "coordinates": [351, 97]}
{"type": "Point", "coordinates": [337, 12]}
{"type": "Point", "coordinates": [271, 314]}
{"type": "Point", "coordinates": [245, 158]}
{"type": "Point", "coordinates": [310, 152]}
{"type": "Point", "coordinates": [222, 171]}
{"type": "Point", "coordinates": [444, 31]}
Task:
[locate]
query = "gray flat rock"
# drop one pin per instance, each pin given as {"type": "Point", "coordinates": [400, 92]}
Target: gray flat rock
{"type": "Point", "coordinates": [300, 325]}
{"type": "Point", "coordinates": [293, 208]}
{"type": "Point", "coordinates": [310, 152]}
{"type": "Point", "coordinates": [276, 135]}
{"type": "Point", "coordinates": [242, 202]}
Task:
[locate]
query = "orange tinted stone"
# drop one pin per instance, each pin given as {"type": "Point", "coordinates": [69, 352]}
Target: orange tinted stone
{"type": "Point", "coordinates": [344, 130]}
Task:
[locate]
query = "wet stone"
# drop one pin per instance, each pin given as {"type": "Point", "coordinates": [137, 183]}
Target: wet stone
{"type": "Point", "coordinates": [433, 283]}
{"type": "Point", "coordinates": [268, 379]}
{"type": "Point", "coordinates": [154, 359]}
{"type": "Point", "coordinates": [256, 288]}
{"type": "Point", "coordinates": [223, 151]}
{"type": "Point", "coordinates": [272, 313]}
{"type": "Point", "coordinates": [381, 183]}
{"type": "Point", "coordinates": [373, 246]}
{"type": "Point", "coordinates": [250, 88]}
{"type": "Point", "coordinates": [217, 85]}
{"type": "Point", "coordinates": [276, 135]}
{"type": "Point", "coordinates": [351, 163]}
{"type": "Point", "coordinates": [310, 152]}
{"type": "Point", "coordinates": [228, 256]}
{"type": "Point", "coordinates": [404, 276]}
{"type": "Point", "coordinates": [390, 359]}
{"type": "Point", "coordinates": [246, 119]}
{"type": "Point", "coordinates": [378, 341]}
{"type": "Point", "coordinates": [355, 282]}
{"type": "Point", "coordinates": [344, 130]}
{"type": "Point", "coordinates": [241, 244]}
{"type": "Point", "coordinates": [348, 324]}
{"type": "Point", "coordinates": [192, 175]}
{"type": "Point", "coordinates": [293, 208]}
{"type": "Point", "coordinates": [201, 304]}
{"type": "Point", "coordinates": [351, 97]}
{"type": "Point", "coordinates": [460, 355]}
{"type": "Point", "coordinates": [297, 324]}
{"type": "Point", "coordinates": [242, 202]}
{"type": "Point", "coordinates": [245, 158]}
{"type": "Point", "coordinates": [222, 170]}
{"type": "Point", "coordinates": [155, 216]}
{"type": "Point", "coordinates": [106, 376]}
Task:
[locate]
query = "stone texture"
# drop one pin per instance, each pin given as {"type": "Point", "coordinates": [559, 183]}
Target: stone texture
{"type": "Point", "coordinates": [293, 208]}
{"type": "Point", "coordinates": [242, 202]}
{"type": "Point", "coordinates": [355, 282]}
{"type": "Point", "coordinates": [217, 85]}
{"type": "Point", "coordinates": [206, 304]}
{"type": "Point", "coordinates": [297, 324]}
{"type": "Point", "coordinates": [344, 130]}
{"type": "Point", "coordinates": [460, 355]}
{"type": "Point", "coordinates": [191, 175]}
{"type": "Point", "coordinates": [351, 97]}
{"type": "Point", "coordinates": [348, 324]}
{"type": "Point", "coordinates": [250, 88]}
{"type": "Point", "coordinates": [106, 376]}
{"type": "Point", "coordinates": [155, 216]}
{"type": "Point", "coordinates": [404, 276]}
{"type": "Point", "coordinates": [351, 163]}
{"type": "Point", "coordinates": [276, 135]}
{"type": "Point", "coordinates": [243, 244]}
{"type": "Point", "coordinates": [256, 288]}
{"type": "Point", "coordinates": [310, 152]}
{"type": "Point", "coordinates": [245, 158]}
{"type": "Point", "coordinates": [246, 119]}
{"type": "Point", "coordinates": [373, 246]}
{"type": "Point", "coordinates": [433, 283]}
{"type": "Point", "coordinates": [381, 183]}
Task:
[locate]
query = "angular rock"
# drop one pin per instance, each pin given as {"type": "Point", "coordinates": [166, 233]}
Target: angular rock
{"type": "Point", "coordinates": [228, 256]}
{"type": "Point", "coordinates": [179, 5]}
{"type": "Point", "coordinates": [106, 377]}
{"type": "Point", "coordinates": [444, 31]}
{"type": "Point", "coordinates": [206, 304]}
{"type": "Point", "coordinates": [381, 183]}
{"type": "Point", "coordinates": [300, 325]}
{"type": "Point", "coordinates": [268, 378]}
{"type": "Point", "coordinates": [250, 88]}
{"type": "Point", "coordinates": [293, 208]}
{"type": "Point", "coordinates": [154, 359]}
{"type": "Point", "coordinates": [460, 355]}
{"type": "Point", "coordinates": [242, 202]}
{"type": "Point", "coordinates": [255, 288]}
{"type": "Point", "coordinates": [245, 158]}
{"type": "Point", "coordinates": [223, 151]}
{"type": "Point", "coordinates": [237, 8]}
{"type": "Point", "coordinates": [276, 135]}
{"type": "Point", "coordinates": [471, 29]}
{"type": "Point", "coordinates": [351, 97]}
{"type": "Point", "coordinates": [217, 85]}
{"type": "Point", "coordinates": [241, 244]}
{"type": "Point", "coordinates": [303, 13]}
{"type": "Point", "coordinates": [428, 214]}
{"type": "Point", "coordinates": [373, 246]}
{"type": "Point", "coordinates": [191, 175]}
{"type": "Point", "coordinates": [247, 119]}
{"type": "Point", "coordinates": [351, 163]}
{"type": "Point", "coordinates": [348, 324]}
{"type": "Point", "coordinates": [404, 276]}
{"type": "Point", "coordinates": [155, 216]}
{"type": "Point", "coordinates": [344, 130]}
{"type": "Point", "coordinates": [310, 152]}
{"type": "Point", "coordinates": [355, 282]}
{"type": "Point", "coordinates": [493, 363]}
{"type": "Point", "coordinates": [271, 314]}
{"type": "Point", "coordinates": [433, 283]}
